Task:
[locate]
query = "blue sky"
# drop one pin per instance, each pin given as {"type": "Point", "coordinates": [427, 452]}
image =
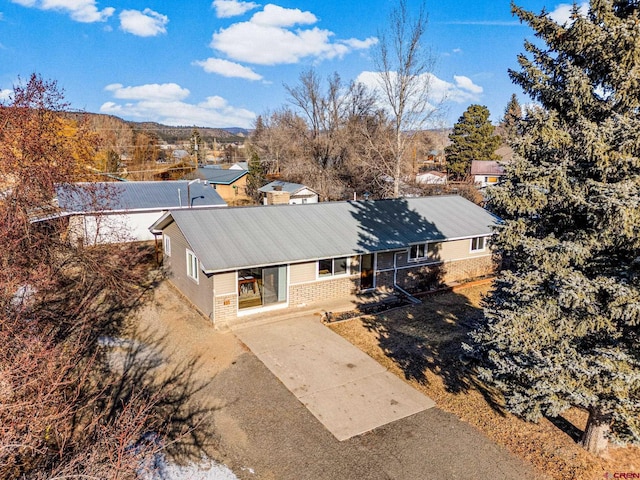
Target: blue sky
{"type": "Point", "coordinates": [219, 63]}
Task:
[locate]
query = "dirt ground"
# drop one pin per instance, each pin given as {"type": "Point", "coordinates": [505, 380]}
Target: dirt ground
{"type": "Point", "coordinates": [422, 345]}
{"type": "Point", "coordinates": [235, 411]}
{"type": "Point", "coordinates": [183, 353]}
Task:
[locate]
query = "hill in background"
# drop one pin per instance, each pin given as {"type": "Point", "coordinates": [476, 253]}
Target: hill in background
{"type": "Point", "coordinates": [110, 125]}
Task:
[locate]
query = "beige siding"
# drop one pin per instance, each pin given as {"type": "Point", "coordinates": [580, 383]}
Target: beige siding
{"type": "Point", "coordinates": [460, 249]}
{"type": "Point", "coordinates": [302, 272]}
{"type": "Point", "coordinates": [201, 293]}
{"type": "Point", "coordinates": [444, 252]}
{"type": "Point", "coordinates": [224, 283]}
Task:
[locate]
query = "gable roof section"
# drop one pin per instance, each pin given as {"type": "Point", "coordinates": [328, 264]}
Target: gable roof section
{"type": "Point", "coordinates": [233, 238]}
{"type": "Point", "coordinates": [289, 187]}
{"type": "Point", "coordinates": [240, 166]}
{"type": "Point", "coordinates": [486, 167]}
{"type": "Point", "coordinates": [134, 196]}
{"type": "Point", "coordinates": [220, 176]}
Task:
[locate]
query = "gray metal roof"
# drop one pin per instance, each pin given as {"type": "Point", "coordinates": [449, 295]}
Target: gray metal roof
{"type": "Point", "coordinates": [232, 238]}
{"type": "Point", "coordinates": [220, 176]}
{"type": "Point", "coordinates": [134, 196]}
{"type": "Point", "coordinates": [292, 188]}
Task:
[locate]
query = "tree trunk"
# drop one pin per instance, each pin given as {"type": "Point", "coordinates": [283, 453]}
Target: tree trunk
{"type": "Point", "coordinates": [595, 439]}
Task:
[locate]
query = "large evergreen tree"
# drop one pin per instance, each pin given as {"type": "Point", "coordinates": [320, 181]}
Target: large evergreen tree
{"type": "Point", "coordinates": [472, 139]}
{"type": "Point", "coordinates": [512, 118]}
{"type": "Point", "coordinates": [562, 325]}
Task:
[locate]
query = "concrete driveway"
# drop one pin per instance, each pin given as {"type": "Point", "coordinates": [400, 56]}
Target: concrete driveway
{"type": "Point", "coordinates": [263, 432]}
{"type": "Point", "coordinates": [344, 388]}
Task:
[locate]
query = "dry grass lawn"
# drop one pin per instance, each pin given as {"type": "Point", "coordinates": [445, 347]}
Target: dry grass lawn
{"type": "Point", "coordinates": [422, 345]}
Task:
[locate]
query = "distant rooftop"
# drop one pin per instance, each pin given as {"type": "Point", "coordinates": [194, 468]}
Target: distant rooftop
{"type": "Point", "coordinates": [134, 196]}
{"type": "Point", "coordinates": [486, 167]}
{"type": "Point", "coordinates": [279, 185]}
{"type": "Point", "coordinates": [218, 176]}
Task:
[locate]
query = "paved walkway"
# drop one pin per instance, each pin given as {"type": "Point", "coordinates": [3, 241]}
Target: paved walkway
{"type": "Point", "coordinates": [344, 388]}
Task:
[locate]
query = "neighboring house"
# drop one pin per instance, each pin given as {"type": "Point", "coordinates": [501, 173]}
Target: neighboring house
{"type": "Point", "coordinates": [104, 212]}
{"type": "Point", "coordinates": [239, 261]}
{"type": "Point", "coordinates": [230, 184]}
{"type": "Point", "coordinates": [279, 192]}
{"type": "Point", "coordinates": [239, 166]}
{"type": "Point", "coordinates": [431, 178]}
{"type": "Point", "coordinates": [178, 155]}
{"type": "Point", "coordinates": [486, 172]}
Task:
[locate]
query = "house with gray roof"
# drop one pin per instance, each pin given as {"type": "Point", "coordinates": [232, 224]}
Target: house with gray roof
{"type": "Point", "coordinates": [240, 261]}
{"type": "Point", "coordinates": [230, 184]}
{"type": "Point", "coordinates": [486, 172]}
{"type": "Point", "coordinates": [103, 212]}
{"type": "Point", "coordinates": [280, 192]}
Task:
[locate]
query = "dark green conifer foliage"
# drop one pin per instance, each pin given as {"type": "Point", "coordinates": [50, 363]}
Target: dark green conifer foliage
{"type": "Point", "coordinates": [472, 139]}
{"type": "Point", "coordinates": [512, 119]}
{"type": "Point", "coordinates": [562, 325]}
{"type": "Point", "coordinates": [256, 176]}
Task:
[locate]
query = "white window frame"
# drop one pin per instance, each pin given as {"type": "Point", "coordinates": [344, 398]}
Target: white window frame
{"type": "Point", "coordinates": [476, 249]}
{"type": "Point", "coordinates": [347, 271]}
{"type": "Point", "coordinates": [166, 244]}
{"type": "Point", "coordinates": [425, 251]}
{"type": "Point", "coordinates": [193, 266]}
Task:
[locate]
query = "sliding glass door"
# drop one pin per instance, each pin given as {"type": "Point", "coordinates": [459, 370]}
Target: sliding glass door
{"type": "Point", "coordinates": [261, 287]}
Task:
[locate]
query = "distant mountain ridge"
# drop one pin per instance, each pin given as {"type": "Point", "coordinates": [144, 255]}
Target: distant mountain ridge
{"type": "Point", "coordinates": [169, 133]}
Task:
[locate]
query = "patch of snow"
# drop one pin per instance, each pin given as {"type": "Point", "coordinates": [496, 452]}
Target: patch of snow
{"type": "Point", "coordinates": [159, 468]}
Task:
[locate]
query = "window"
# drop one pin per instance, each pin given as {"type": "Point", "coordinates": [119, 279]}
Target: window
{"type": "Point", "coordinates": [478, 244]}
{"type": "Point", "coordinates": [167, 245]}
{"type": "Point", "coordinates": [329, 267]}
{"type": "Point", "coordinates": [424, 251]}
{"type": "Point", "coordinates": [193, 269]}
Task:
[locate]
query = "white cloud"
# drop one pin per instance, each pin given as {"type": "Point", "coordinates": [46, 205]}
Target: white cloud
{"type": "Point", "coordinates": [227, 69]}
{"type": "Point", "coordinates": [360, 44]}
{"type": "Point", "coordinates": [462, 91]}
{"type": "Point", "coordinates": [269, 38]}
{"type": "Point", "coordinates": [232, 8]}
{"type": "Point", "coordinates": [5, 95]}
{"type": "Point", "coordinates": [165, 92]}
{"type": "Point", "coordinates": [143, 24]}
{"type": "Point", "coordinates": [85, 11]}
{"type": "Point", "coordinates": [465, 83]}
{"type": "Point", "coordinates": [562, 13]}
{"type": "Point", "coordinates": [164, 104]}
{"type": "Point", "coordinates": [276, 16]}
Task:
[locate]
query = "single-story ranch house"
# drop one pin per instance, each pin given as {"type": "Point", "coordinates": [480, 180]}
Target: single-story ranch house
{"type": "Point", "coordinates": [279, 192]}
{"type": "Point", "coordinates": [103, 212]}
{"type": "Point", "coordinates": [238, 261]}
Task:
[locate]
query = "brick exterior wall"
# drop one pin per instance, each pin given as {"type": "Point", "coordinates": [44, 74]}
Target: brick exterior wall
{"type": "Point", "coordinates": [426, 277]}
{"type": "Point", "coordinates": [470, 268]}
{"type": "Point", "coordinates": [384, 280]}
{"type": "Point", "coordinates": [417, 279]}
{"type": "Point", "coordinates": [306, 293]}
{"type": "Point", "coordinates": [278, 198]}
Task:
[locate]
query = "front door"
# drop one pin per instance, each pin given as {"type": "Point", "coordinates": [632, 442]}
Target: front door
{"type": "Point", "coordinates": [367, 277]}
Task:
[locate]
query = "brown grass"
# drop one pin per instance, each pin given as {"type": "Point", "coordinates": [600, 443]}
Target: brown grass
{"type": "Point", "coordinates": [422, 345]}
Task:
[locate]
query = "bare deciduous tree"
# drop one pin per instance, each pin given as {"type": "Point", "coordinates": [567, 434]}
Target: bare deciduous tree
{"type": "Point", "coordinates": [63, 411]}
{"type": "Point", "coordinates": [404, 67]}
